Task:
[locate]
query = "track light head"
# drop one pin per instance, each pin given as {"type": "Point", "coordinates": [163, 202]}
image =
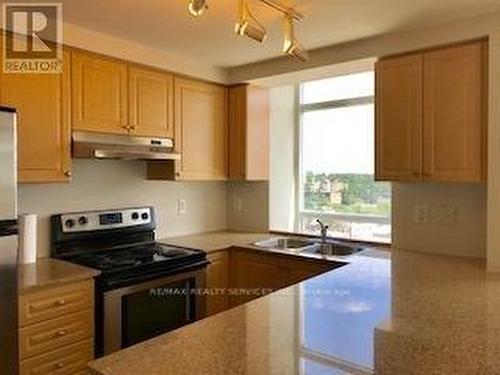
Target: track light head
{"type": "Point", "coordinates": [291, 45]}
{"type": "Point", "coordinates": [245, 27]}
{"type": "Point", "coordinates": [296, 51]}
{"type": "Point", "coordinates": [197, 7]}
{"type": "Point", "coordinates": [253, 32]}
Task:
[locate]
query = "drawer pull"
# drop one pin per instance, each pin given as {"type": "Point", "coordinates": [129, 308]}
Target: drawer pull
{"type": "Point", "coordinates": [62, 333]}
{"type": "Point", "coordinates": [61, 302]}
{"type": "Point", "coordinates": [60, 365]}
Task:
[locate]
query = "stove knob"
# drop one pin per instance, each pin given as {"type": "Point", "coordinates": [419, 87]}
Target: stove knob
{"type": "Point", "coordinates": [70, 223]}
{"type": "Point", "coordinates": [145, 216]}
{"type": "Point", "coordinates": [135, 215]}
{"type": "Point", "coordinates": [82, 220]}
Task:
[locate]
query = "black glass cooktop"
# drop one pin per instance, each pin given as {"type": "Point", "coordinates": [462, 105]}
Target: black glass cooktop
{"type": "Point", "coordinates": [137, 255]}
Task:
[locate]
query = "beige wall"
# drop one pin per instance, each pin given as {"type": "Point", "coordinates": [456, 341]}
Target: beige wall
{"type": "Point", "coordinates": [248, 206]}
{"type": "Point", "coordinates": [282, 163]}
{"type": "Point", "coordinates": [115, 184]}
{"type": "Point", "coordinates": [463, 236]}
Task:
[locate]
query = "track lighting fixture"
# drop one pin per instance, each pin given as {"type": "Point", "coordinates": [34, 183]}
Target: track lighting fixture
{"type": "Point", "coordinates": [291, 45]}
{"type": "Point", "coordinates": [244, 26]}
{"type": "Point", "coordinates": [197, 7]}
{"type": "Point", "coordinates": [249, 26]}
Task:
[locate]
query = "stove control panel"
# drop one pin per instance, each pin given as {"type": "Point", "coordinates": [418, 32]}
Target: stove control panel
{"type": "Point", "coordinates": [102, 220]}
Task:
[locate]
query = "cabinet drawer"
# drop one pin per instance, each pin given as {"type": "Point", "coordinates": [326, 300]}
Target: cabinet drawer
{"type": "Point", "coordinates": [70, 359]}
{"type": "Point", "coordinates": [55, 333]}
{"type": "Point", "coordinates": [55, 302]}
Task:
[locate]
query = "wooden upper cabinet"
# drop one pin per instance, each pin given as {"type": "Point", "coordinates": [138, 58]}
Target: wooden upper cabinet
{"type": "Point", "coordinates": [100, 94]}
{"type": "Point", "coordinates": [248, 133]}
{"type": "Point", "coordinates": [42, 103]}
{"type": "Point", "coordinates": [431, 115]}
{"type": "Point", "coordinates": [151, 103]}
{"type": "Point", "coordinates": [398, 118]}
{"type": "Point", "coordinates": [454, 113]}
{"type": "Point", "coordinates": [201, 130]}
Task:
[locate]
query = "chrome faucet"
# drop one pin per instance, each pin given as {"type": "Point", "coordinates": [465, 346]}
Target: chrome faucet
{"type": "Point", "coordinates": [324, 230]}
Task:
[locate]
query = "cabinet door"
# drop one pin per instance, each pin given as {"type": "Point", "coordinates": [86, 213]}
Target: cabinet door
{"type": "Point", "coordinates": [218, 281]}
{"type": "Point", "coordinates": [300, 270]}
{"type": "Point", "coordinates": [255, 275]}
{"type": "Point", "coordinates": [42, 102]}
{"type": "Point", "coordinates": [454, 113]}
{"type": "Point", "coordinates": [201, 130]}
{"type": "Point", "coordinates": [151, 103]}
{"type": "Point", "coordinates": [237, 132]}
{"type": "Point", "coordinates": [99, 94]}
{"type": "Point", "coordinates": [398, 118]}
{"type": "Point", "coordinates": [248, 133]}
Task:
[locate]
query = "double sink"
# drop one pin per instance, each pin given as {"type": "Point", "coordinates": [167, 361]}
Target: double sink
{"type": "Point", "coordinates": [310, 246]}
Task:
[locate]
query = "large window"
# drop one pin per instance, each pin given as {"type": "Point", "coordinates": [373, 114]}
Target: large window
{"type": "Point", "coordinates": [336, 166]}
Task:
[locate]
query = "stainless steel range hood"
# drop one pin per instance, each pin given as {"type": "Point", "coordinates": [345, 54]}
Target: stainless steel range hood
{"type": "Point", "coordinates": [88, 145]}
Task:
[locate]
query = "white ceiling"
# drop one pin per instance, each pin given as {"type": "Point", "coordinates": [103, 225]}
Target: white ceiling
{"type": "Point", "coordinates": [166, 25]}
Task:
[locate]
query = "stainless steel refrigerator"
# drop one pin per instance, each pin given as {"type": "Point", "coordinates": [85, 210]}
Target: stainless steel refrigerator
{"type": "Point", "coordinates": [8, 242]}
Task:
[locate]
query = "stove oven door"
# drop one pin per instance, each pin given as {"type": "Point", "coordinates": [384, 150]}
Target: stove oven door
{"type": "Point", "coordinates": [141, 311]}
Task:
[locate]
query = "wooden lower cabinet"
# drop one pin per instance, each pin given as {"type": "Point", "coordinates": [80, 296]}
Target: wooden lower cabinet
{"type": "Point", "coordinates": [217, 282]}
{"type": "Point", "coordinates": [56, 334]}
{"type": "Point", "coordinates": [236, 276]}
{"type": "Point", "coordinates": [256, 273]}
{"type": "Point", "coordinates": [70, 359]}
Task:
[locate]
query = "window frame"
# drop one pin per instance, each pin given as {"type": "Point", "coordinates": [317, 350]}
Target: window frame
{"type": "Point", "coordinates": [300, 109]}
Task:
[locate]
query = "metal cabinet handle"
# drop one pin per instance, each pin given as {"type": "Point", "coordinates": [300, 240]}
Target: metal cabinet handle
{"type": "Point", "coordinates": [60, 365]}
{"type": "Point", "coordinates": [61, 333]}
{"type": "Point", "coordinates": [68, 174]}
{"type": "Point", "coordinates": [61, 302]}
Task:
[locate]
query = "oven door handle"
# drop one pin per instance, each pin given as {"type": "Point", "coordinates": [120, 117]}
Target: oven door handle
{"type": "Point", "coordinates": [118, 282]}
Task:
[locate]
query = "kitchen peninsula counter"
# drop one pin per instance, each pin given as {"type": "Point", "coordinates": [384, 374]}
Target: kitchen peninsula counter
{"type": "Point", "coordinates": [393, 312]}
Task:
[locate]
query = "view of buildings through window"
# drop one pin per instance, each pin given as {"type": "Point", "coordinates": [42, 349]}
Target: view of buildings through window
{"type": "Point", "coordinates": [337, 160]}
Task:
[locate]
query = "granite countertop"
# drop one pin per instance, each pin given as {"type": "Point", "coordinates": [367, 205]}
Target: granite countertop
{"type": "Point", "coordinates": [394, 312]}
{"type": "Point", "coordinates": [215, 241]}
{"type": "Point", "coordinates": [48, 271]}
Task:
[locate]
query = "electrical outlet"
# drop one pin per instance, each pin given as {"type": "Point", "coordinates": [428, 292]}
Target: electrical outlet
{"type": "Point", "coordinates": [420, 214]}
{"type": "Point", "coordinates": [181, 207]}
{"type": "Point", "coordinates": [238, 204]}
{"type": "Point", "coordinates": [444, 215]}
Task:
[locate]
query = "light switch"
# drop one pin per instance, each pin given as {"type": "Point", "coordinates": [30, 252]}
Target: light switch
{"type": "Point", "coordinates": [420, 214]}
{"type": "Point", "coordinates": [238, 204]}
{"type": "Point", "coordinates": [181, 206]}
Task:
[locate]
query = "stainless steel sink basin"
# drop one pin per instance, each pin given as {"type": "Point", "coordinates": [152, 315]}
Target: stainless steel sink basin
{"type": "Point", "coordinates": [284, 243]}
{"type": "Point", "coordinates": [310, 246]}
{"type": "Point", "coordinates": [334, 248]}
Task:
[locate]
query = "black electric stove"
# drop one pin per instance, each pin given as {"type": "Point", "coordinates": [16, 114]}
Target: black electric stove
{"type": "Point", "coordinates": [134, 270]}
{"type": "Point", "coordinates": [137, 255]}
